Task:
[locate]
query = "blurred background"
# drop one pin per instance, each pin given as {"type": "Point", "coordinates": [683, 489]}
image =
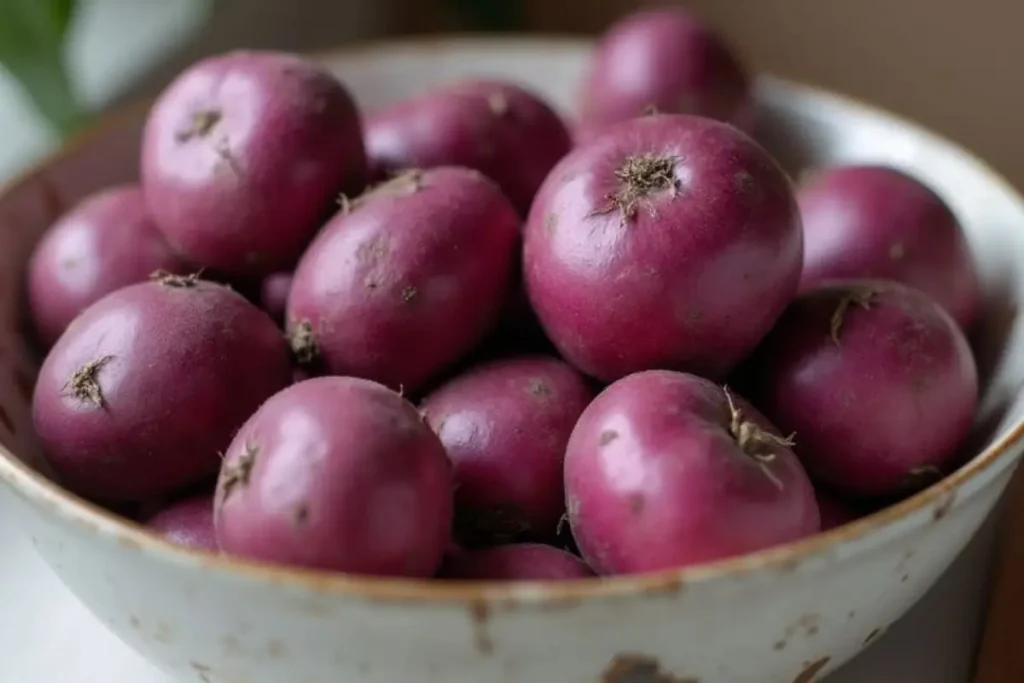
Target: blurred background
{"type": "Point", "coordinates": [949, 64]}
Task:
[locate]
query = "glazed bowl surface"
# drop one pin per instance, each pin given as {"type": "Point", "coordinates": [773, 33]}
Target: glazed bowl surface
{"type": "Point", "coordinates": [788, 615]}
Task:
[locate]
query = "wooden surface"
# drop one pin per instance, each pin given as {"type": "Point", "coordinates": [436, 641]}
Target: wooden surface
{"type": "Point", "coordinates": [1001, 653]}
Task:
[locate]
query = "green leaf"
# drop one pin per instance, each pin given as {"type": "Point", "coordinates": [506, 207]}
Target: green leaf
{"type": "Point", "coordinates": [32, 40]}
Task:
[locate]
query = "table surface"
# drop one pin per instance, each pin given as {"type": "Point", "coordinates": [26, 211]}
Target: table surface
{"type": "Point", "coordinates": [47, 636]}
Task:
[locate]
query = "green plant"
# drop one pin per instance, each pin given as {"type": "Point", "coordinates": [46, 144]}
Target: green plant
{"type": "Point", "coordinates": [32, 42]}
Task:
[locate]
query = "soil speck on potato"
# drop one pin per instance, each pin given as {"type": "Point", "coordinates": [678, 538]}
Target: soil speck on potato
{"type": "Point", "coordinates": [636, 504]}
{"type": "Point", "coordinates": [303, 343]}
{"type": "Point", "coordinates": [641, 176]}
{"type": "Point", "coordinates": [856, 296]}
{"type": "Point", "coordinates": [237, 475]}
{"type": "Point", "coordinates": [538, 388]}
{"type": "Point", "coordinates": [300, 515]}
{"type": "Point", "coordinates": [84, 384]}
{"type": "Point", "coordinates": [409, 295]}
{"type": "Point", "coordinates": [200, 125]}
{"type": "Point", "coordinates": [607, 436]}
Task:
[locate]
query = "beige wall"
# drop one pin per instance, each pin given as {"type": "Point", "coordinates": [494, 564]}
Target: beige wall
{"type": "Point", "coordinates": [954, 65]}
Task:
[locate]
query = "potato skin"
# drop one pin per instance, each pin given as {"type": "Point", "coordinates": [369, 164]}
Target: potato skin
{"type": "Point", "coordinates": [407, 280]}
{"type": "Point", "coordinates": [147, 386]}
{"type": "Point", "coordinates": [244, 155]}
{"type": "Point", "coordinates": [688, 275]}
{"type": "Point", "coordinates": [875, 378]}
{"type": "Point", "coordinates": [337, 473]}
{"type": "Point", "coordinates": [498, 128]}
{"type": "Point", "coordinates": [106, 242]}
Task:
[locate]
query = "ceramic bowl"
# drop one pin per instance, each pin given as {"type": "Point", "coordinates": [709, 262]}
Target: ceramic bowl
{"type": "Point", "coordinates": [787, 615]}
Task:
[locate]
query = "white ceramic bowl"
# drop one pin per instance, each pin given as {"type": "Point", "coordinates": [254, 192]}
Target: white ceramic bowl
{"type": "Point", "coordinates": [787, 615]}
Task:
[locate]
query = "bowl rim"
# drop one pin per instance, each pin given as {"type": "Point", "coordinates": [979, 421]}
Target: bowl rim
{"type": "Point", "coordinates": [38, 490]}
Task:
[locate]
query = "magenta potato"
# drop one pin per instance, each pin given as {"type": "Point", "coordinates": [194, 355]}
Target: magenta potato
{"type": "Point", "coordinates": [406, 279]}
{"type": "Point", "coordinates": [341, 474]}
{"type": "Point", "coordinates": [666, 469]}
{"type": "Point", "coordinates": [878, 222]}
{"type": "Point", "coordinates": [148, 385]}
{"type": "Point", "coordinates": [187, 522]}
{"type": "Point", "coordinates": [505, 426]}
{"type": "Point", "coordinates": [244, 155]}
{"type": "Point", "coordinates": [876, 380]}
{"type": "Point", "coordinates": [104, 243]}
{"type": "Point", "coordinates": [666, 60]}
{"type": "Point", "coordinates": [671, 242]}
{"type": "Point", "coordinates": [515, 562]}
{"type": "Point", "coordinates": [274, 295]}
{"type": "Point", "coordinates": [497, 128]}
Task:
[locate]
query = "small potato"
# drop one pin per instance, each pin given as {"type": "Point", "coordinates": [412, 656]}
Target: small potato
{"type": "Point", "coordinates": [505, 425]}
{"type": "Point", "coordinates": [666, 469]}
{"type": "Point", "coordinates": [106, 242]}
{"type": "Point", "coordinates": [497, 128]}
{"type": "Point", "coordinates": [665, 60]}
{"type": "Point", "coordinates": [187, 522]}
{"type": "Point", "coordinates": [244, 155]}
{"type": "Point", "coordinates": [875, 378]}
{"type": "Point", "coordinates": [406, 279]}
{"type": "Point", "coordinates": [672, 242]}
{"type": "Point", "coordinates": [878, 222]}
{"type": "Point", "coordinates": [341, 474]}
{"type": "Point", "coordinates": [147, 386]}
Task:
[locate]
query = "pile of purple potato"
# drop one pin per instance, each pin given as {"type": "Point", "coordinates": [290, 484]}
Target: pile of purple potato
{"type": "Point", "coordinates": [460, 338]}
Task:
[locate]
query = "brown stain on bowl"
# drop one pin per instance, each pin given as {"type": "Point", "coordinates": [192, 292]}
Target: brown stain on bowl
{"type": "Point", "coordinates": [202, 670]}
{"type": "Point", "coordinates": [276, 649]}
{"type": "Point", "coordinates": [479, 614]}
{"type": "Point", "coordinates": [634, 668]}
{"type": "Point", "coordinates": [811, 670]}
{"type": "Point", "coordinates": [943, 508]}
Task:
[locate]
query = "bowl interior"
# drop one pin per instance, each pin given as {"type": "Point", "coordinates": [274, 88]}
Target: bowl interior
{"type": "Point", "coordinates": [803, 127]}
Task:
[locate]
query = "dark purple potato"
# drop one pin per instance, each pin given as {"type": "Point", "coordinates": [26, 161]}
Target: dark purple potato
{"type": "Point", "coordinates": [427, 260]}
{"type": "Point", "coordinates": [505, 426]}
{"type": "Point", "coordinates": [244, 155]}
{"type": "Point", "coordinates": [148, 385]}
{"type": "Point", "coordinates": [106, 242]}
{"type": "Point", "coordinates": [672, 242]}
{"type": "Point", "coordinates": [341, 474]}
{"type": "Point", "coordinates": [878, 222]}
{"type": "Point", "coordinates": [497, 128]}
{"type": "Point", "coordinates": [876, 380]}
{"type": "Point", "coordinates": [665, 60]}
{"type": "Point", "coordinates": [274, 295]}
{"type": "Point", "coordinates": [187, 522]}
{"type": "Point", "coordinates": [667, 470]}
{"type": "Point", "coordinates": [516, 562]}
